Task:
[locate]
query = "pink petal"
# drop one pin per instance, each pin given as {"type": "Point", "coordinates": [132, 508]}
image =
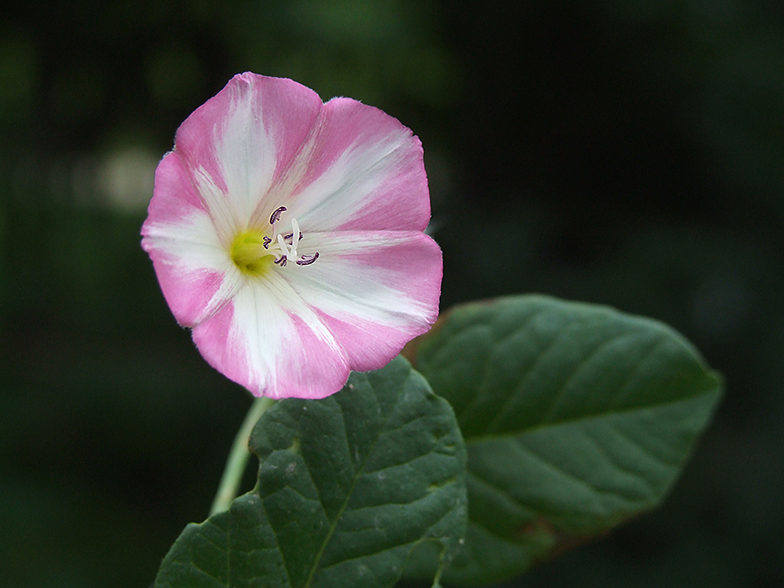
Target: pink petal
{"type": "Point", "coordinates": [375, 291]}
{"type": "Point", "coordinates": [226, 156]}
{"type": "Point", "coordinates": [189, 259]}
{"type": "Point", "coordinates": [364, 170]}
{"type": "Point", "coordinates": [245, 139]}
{"type": "Point", "coordinates": [267, 341]}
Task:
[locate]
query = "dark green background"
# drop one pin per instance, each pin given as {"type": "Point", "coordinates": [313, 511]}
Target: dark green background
{"type": "Point", "coordinates": [628, 152]}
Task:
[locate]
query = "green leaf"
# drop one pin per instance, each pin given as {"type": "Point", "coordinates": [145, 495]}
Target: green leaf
{"type": "Point", "coordinates": [576, 417]}
{"type": "Point", "coordinates": [347, 486]}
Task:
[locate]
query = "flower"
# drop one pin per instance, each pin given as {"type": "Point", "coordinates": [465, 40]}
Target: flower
{"type": "Point", "coordinates": [289, 235]}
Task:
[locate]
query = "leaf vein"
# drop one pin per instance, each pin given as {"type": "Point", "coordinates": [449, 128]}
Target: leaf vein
{"type": "Point", "coordinates": [577, 420]}
{"type": "Point", "coordinates": [488, 366]}
{"type": "Point", "coordinates": [579, 366]}
{"type": "Point", "coordinates": [333, 525]}
{"type": "Point", "coordinates": [521, 385]}
{"type": "Point", "coordinates": [566, 473]}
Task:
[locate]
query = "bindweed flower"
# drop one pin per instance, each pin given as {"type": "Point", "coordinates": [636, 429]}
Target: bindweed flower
{"type": "Point", "coordinates": [288, 234]}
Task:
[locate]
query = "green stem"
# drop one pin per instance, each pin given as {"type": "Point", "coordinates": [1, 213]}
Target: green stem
{"type": "Point", "coordinates": [238, 457]}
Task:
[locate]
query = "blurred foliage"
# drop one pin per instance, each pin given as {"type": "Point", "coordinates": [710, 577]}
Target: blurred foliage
{"type": "Point", "coordinates": [627, 152]}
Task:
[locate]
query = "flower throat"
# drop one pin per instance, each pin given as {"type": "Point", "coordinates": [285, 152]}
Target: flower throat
{"type": "Point", "coordinates": [254, 252]}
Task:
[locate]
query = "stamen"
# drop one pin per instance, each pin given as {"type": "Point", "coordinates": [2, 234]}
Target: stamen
{"type": "Point", "coordinates": [308, 259]}
{"type": "Point", "coordinates": [275, 216]}
{"type": "Point", "coordinates": [253, 252]}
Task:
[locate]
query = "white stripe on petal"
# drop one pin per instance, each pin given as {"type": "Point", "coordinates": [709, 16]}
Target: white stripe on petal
{"type": "Point", "coordinates": [245, 150]}
{"type": "Point", "coordinates": [222, 209]}
{"type": "Point", "coordinates": [191, 250]}
{"type": "Point", "coordinates": [385, 280]}
{"type": "Point", "coordinates": [193, 242]}
{"type": "Point", "coordinates": [349, 184]}
{"type": "Point", "coordinates": [288, 350]}
{"type": "Point", "coordinates": [360, 166]}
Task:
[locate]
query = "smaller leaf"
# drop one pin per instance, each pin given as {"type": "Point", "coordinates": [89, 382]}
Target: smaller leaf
{"type": "Point", "coordinates": [576, 417]}
{"type": "Point", "coordinates": [347, 487]}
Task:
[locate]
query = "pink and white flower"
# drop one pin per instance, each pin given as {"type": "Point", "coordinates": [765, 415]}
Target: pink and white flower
{"type": "Point", "coordinates": [288, 234]}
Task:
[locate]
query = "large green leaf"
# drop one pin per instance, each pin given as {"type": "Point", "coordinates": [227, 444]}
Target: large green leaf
{"type": "Point", "coordinates": [347, 486]}
{"type": "Point", "coordinates": [576, 418]}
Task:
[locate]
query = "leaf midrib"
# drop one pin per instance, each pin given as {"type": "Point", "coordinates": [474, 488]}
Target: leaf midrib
{"type": "Point", "coordinates": [488, 437]}
{"type": "Point", "coordinates": [350, 492]}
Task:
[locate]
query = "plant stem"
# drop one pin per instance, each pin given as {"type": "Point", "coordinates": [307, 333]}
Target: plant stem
{"type": "Point", "coordinates": [238, 457]}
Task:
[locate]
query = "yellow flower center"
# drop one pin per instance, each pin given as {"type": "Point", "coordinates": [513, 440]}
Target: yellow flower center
{"type": "Point", "coordinates": [249, 253]}
{"type": "Point", "coordinates": [254, 252]}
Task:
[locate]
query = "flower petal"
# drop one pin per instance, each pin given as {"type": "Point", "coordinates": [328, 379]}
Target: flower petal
{"type": "Point", "coordinates": [375, 291]}
{"type": "Point", "coordinates": [364, 170]}
{"type": "Point", "coordinates": [193, 267]}
{"type": "Point", "coordinates": [268, 341]}
{"type": "Point", "coordinates": [244, 140]}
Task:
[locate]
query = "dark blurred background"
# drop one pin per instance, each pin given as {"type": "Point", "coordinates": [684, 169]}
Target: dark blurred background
{"type": "Point", "coordinates": [628, 152]}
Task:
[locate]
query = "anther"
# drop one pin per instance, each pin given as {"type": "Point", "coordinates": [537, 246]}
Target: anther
{"type": "Point", "coordinates": [308, 259]}
{"type": "Point", "coordinates": [281, 261]}
{"type": "Point", "coordinates": [275, 216]}
{"type": "Point", "coordinates": [267, 241]}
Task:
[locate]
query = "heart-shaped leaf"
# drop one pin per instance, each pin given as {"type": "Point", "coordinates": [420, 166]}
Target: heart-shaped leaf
{"type": "Point", "coordinates": [576, 418]}
{"type": "Point", "coordinates": [347, 486]}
